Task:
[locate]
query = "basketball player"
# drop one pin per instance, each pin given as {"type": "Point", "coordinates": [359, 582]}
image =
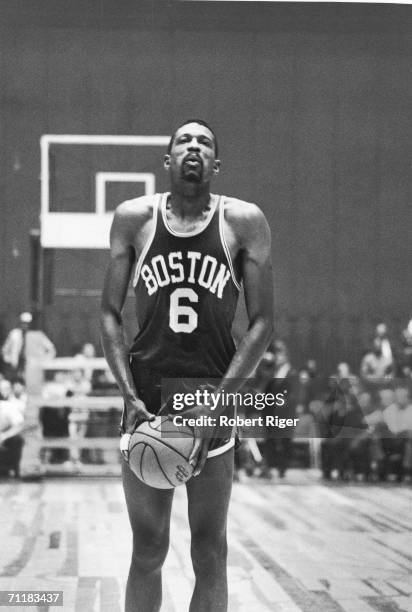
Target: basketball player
{"type": "Point", "coordinates": [191, 250]}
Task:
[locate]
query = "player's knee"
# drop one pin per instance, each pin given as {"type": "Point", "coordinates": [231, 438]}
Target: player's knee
{"type": "Point", "coordinates": [209, 553]}
{"type": "Point", "coordinates": [149, 553]}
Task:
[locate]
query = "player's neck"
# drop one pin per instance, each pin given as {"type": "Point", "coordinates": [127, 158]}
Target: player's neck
{"type": "Point", "coordinates": [189, 201]}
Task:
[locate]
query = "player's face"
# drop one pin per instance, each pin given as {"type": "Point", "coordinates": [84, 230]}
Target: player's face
{"type": "Point", "coordinates": [192, 156]}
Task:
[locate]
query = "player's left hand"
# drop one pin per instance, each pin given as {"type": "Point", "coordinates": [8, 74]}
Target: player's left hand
{"type": "Point", "coordinates": [199, 452]}
{"type": "Point", "coordinates": [203, 435]}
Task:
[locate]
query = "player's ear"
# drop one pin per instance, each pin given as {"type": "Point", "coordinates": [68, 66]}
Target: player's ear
{"type": "Point", "coordinates": [166, 162]}
{"type": "Point", "coordinates": [216, 166]}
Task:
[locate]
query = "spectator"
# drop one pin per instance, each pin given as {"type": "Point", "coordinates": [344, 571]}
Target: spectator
{"type": "Point", "coordinates": [78, 383]}
{"type": "Point", "coordinates": [316, 387]}
{"type": "Point", "coordinates": [78, 386]}
{"type": "Point", "coordinates": [88, 350]}
{"type": "Point", "coordinates": [387, 346]}
{"type": "Point", "coordinates": [344, 372]}
{"type": "Point", "coordinates": [398, 415]}
{"type": "Point", "coordinates": [14, 393]}
{"type": "Point", "coordinates": [24, 351]}
{"type": "Point", "coordinates": [86, 353]}
{"type": "Point", "coordinates": [19, 395]}
{"type": "Point", "coordinates": [5, 389]}
{"type": "Point", "coordinates": [305, 396]}
{"type": "Point", "coordinates": [248, 455]}
{"type": "Point", "coordinates": [11, 440]}
{"type": "Point", "coordinates": [376, 369]}
{"type": "Point", "coordinates": [56, 388]}
{"type": "Point", "coordinates": [54, 420]}
{"type": "Point", "coordinates": [14, 347]}
{"type": "Point", "coordinates": [342, 430]}
{"type": "Point", "coordinates": [398, 418]}
{"type": "Point", "coordinates": [406, 353]}
{"type": "Point", "coordinates": [384, 452]}
{"type": "Point", "coordinates": [278, 445]}
{"type": "Point", "coordinates": [303, 392]}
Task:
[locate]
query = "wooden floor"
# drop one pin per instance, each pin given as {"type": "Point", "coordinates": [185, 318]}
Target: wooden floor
{"type": "Point", "coordinates": [295, 545]}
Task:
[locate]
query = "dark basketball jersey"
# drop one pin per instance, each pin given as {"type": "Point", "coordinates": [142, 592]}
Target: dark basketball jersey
{"type": "Point", "coordinates": [186, 294]}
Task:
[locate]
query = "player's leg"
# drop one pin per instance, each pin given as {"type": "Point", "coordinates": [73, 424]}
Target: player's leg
{"type": "Point", "coordinates": [149, 514]}
{"type": "Point", "coordinates": [208, 498]}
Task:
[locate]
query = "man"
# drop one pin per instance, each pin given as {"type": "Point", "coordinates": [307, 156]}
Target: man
{"type": "Point", "coordinates": [342, 425]}
{"type": "Point", "coordinates": [375, 368]}
{"type": "Point", "coordinates": [14, 347]}
{"type": "Point", "coordinates": [248, 453]}
{"type": "Point", "coordinates": [277, 447]}
{"type": "Point", "coordinates": [24, 351]}
{"type": "Point", "coordinates": [11, 441]}
{"type": "Point", "coordinates": [398, 418]}
{"type": "Point", "coordinates": [191, 249]}
{"type": "Point", "coordinates": [381, 332]}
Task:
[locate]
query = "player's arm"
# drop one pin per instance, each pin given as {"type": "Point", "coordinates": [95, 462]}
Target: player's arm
{"type": "Point", "coordinates": [48, 347]}
{"type": "Point", "coordinates": [255, 240]}
{"type": "Point", "coordinates": [257, 278]}
{"type": "Point", "coordinates": [122, 257]}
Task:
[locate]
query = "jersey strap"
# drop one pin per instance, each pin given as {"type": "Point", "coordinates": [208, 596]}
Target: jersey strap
{"type": "Point", "coordinates": [149, 241]}
{"type": "Point", "coordinates": [224, 243]}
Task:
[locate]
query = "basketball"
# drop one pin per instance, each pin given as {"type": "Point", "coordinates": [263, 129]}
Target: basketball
{"type": "Point", "coordinates": [159, 453]}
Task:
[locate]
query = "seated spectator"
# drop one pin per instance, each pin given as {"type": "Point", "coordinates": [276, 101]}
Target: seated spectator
{"type": "Point", "coordinates": [376, 369]}
{"type": "Point", "coordinates": [306, 426]}
{"type": "Point", "coordinates": [406, 354]}
{"type": "Point", "coordinates": [56, 388]}
{"type": "Point", "coordinates": [78, 385]}
{"type": "Point", "coordinates": [86, 352]}
{"type": "Point", "coordinates": [398, 418]}
{"type": "Point", "coordinates": [387, 345]}
{"type": "Point", "coordinates": [303, 392]}
{"type": "Point", "coordinates": [317, 383]}
{"type": "Point", "coordinates": [248, 455]}
{"type": "Point", "coordinates": [277, 447]}
{"type": "Point", "coordinates": [54, 420]}
{"type": "Point", "coordinates": [6, 389]}
{"type": "Point", "coordinates": [19, 395]}
{"type": "Point", "coordinates": [305, 399]}
{"type": "Point", "coordinates": [371, 445]}
{"type": "Point", "coordinates": [372, 411]}
{"type": "Point", "coordinates": [342, 430]}
{"type": "Point", "coordinates": [398, 415]}
{"type": "Point", "coordinates": [11, 440]}
{"type": "Point", "coordinates": [344, 372]}
{"type": "Point", "coordinates": [104, 383]}
{"type": "Point", "coordinates": [384, 454]}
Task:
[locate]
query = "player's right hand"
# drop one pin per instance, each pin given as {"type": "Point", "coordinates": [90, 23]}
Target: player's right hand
{"type": "Point", "coordinates": [136, 414]}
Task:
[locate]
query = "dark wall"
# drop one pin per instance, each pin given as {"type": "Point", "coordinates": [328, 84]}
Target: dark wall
{"type": "Point", "coordinates": [312, 105]}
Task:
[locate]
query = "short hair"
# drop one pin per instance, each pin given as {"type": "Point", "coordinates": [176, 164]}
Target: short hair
{"type": "Point", "coordinates": [200, 122]}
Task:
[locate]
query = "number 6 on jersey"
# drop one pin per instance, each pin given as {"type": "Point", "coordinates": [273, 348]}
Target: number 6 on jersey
{"type": "Point", "coordinates": [178, 311]}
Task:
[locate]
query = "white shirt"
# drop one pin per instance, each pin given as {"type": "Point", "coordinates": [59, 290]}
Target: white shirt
{"type": "Point", "coordinates": [386, 349]}
{"type": "Point", "coordinates": [282, 371]}
{"type": "Point", "coordinates": [38, 346]}
{"type": "Point", "coordinates": [9, 416]}
{"type": "Point", "coordinates": [398, 419]}
{"type": "Point", "coordinates": [12, 347]}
